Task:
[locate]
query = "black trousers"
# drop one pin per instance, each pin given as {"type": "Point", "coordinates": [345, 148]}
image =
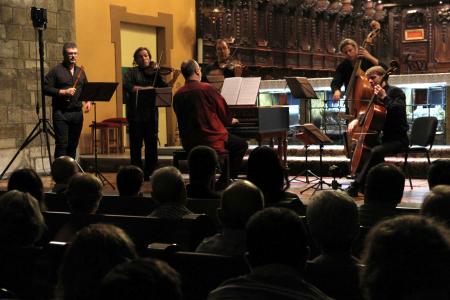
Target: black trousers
{"type": "Point", "coordinates": [67, 126]}
{"type": "Point", "coordinates": [143, 132]}
{"type": "Point", "coordinates": [237, 147]}
{"type": "Point", "coordinates": [376, 156]}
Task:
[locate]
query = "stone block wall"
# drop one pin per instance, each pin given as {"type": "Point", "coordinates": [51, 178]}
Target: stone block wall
{"type": "Point", "coordinates": [20, 75]}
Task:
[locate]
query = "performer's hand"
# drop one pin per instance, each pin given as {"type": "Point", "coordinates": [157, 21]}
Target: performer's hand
{"type": "Point", "coordinates": [238, 70]}
{"type": "Point", "coordinates": [352, 125]}
{"type": "Point", "coordinates": [234, 121]}
{"type": "Point", "coordinates": [336, 95]}
{"type": "Point", "coordinates": [87, 106]}
{"type": "Point", "coordinates": [68, 92]}
{"type": "Point", "coordinates": [363, 53]}
{"type": "Point", "coordinates": [175, 75]}
{"type": "Point", "coordinates": [379, 91]}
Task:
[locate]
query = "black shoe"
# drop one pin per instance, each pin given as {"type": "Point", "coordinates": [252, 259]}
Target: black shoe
{"type": "Point", "coordinates": [352, 190]}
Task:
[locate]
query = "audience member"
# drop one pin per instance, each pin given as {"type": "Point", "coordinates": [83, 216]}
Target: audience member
{"type": "Point", "coordinates": [439, 173]}
{"type": "Point", "coordinates": [239, 202]}
{"type": "Point", "coordinates": [202, 162]}
{"type": "Point", "coordinates": [277, 253]}
{"type": "Point", "coordinates": [63, 168]}
{"type": "Point", "coordinates": [383, 192]}
{"type": "Point", "coordinates": [21, 221]}
{"type": "Point", "coordinates": [129, 181]}
{"type": "Point", "coordinates": [83, 195]}
{"type": "Point", "coordinates": [266, 172]}
{"type": "Point", "coordinates": [437, 204]}
{"type": "Point", "coordinates": [169, 191]}
{"type": "Point", "coordinates": [141, 279]}
{"type": "Point", "coordinates": [95, 250]}
{"type": "Point", "coordinates": [407, 257]}
{"type": "Point", "coordinates": [332, 218]}
{"type": "Point", "coordinates": [28, 181]}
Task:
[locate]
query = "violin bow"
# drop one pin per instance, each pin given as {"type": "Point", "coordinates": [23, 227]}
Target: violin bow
{"type": "Point", "coordinates": [157, 67]}
{"type": "Point", "coordinates": [78, 77]}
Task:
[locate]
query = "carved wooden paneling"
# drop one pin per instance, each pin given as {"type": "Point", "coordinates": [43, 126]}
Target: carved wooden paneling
{"type": "Point", "coordinates": [302, 36]}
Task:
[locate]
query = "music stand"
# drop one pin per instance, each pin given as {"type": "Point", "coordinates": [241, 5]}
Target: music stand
{"type": "Point", "coordinates": [313, 135]}
{"type": "Point", "coordinates": [98, 91]}
{"type": "Point", "coordinates": [303, 90]}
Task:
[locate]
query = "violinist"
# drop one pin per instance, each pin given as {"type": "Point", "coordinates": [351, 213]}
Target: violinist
{"type": "Point", "coordinates": [64, 84]}
{"type": "Point", "coordinates": [225, 64]}
{"type": "Point", "coordinates": [393, 138]}
{"type": "Point", "coordinates": [142, 115]}
{"type": "Point", "coordinates": [344, 70]}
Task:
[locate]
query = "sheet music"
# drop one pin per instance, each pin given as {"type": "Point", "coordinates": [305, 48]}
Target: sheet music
{"type": "Point", "coordinates": [230, 89]}
{"type": "Point", "coordinates": [249, 90]}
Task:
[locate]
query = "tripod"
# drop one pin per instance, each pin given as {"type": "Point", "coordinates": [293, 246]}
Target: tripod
{"type": "Point", "coordinates": [307, 172]}
{"type": "Point", "coordinates": [43, 125]}
{"type": "Point", "coordinates": [319, 184]}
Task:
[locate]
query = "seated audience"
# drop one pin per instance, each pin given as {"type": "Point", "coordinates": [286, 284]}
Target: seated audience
{"type": "Point", "coordinates": [407, 257]}
{"type": "Point", "coordinates": [169, 191]}
{"type": "Point", "coordinates": [21, 221]}
{"type": "Point", "coordinates": [27, 180]}
{"type": "Point", "coordinates": [439, 173]}
{"type": "Point", "coordinates": [94, 251]}
{"type": "Point", "coordinates": [239, 202]}
{"type": "Point", "coordinates": [63, 168]}
{"type": "Point", "coordinates": [277, 253]}
{"type": "Point", "coordinates": [141, 279]}
{"type": "Point", "coordinates": [332, 218]}
{"type": "Point", "coordinates": [129, 181]}
{"type": "Point", "coordinates": [22, 228]}
{"type": "Point", "coordinates": [83, 195]}
{"type": "Point", "coordinates": [437, 204]}
{"type": "Point", "coordinates": [266, 172]}
{"type": "Point", "coordinates": [202, 162]}
{"type": "Point", "coordinates": [383, 192]}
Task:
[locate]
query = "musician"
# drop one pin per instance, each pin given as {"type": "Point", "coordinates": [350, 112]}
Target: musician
{"type": "Point", "coordinates": [64, 84]}
{"type": "Point", "coordinates": [225, 64]}
{"type": "Point", "coordinates": [344, 70]}
{"type": "Point", "coordinates": [202, 115]}
{"type": "Point", "coordinates": [142, 115]}
{"type": "Point", "coordinates": [394, 138]}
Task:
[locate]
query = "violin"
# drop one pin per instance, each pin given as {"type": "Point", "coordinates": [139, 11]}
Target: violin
{"type": "Point", "coordinates": [232, 65]}
{"type": "Point", "coordinates": [154, 68]}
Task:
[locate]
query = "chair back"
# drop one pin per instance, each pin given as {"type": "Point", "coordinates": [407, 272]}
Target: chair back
{"type": "Point", "coordinates": [126, 205]}
{"type": "Point", "coordinates": [423, 131]}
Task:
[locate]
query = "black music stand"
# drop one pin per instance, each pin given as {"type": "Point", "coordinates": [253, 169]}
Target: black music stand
{"type": "Point", "coordinates": [98, 91]}
{"type": "Point", "coordinates": [303, 90]}
{"type": "Point", "coordinates": [315, 136]}
{"type": "Point", "coordinates": [159, 97]}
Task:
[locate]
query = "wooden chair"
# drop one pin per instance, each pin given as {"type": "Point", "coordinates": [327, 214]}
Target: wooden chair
{"type": "Point", "coordinates": [123, 205]}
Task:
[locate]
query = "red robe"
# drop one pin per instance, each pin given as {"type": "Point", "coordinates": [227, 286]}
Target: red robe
{"type": "Point", "coordinates": [202, 115]}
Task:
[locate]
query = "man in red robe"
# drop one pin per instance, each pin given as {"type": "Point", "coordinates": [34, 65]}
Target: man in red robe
{"type": "Point", "coordinates": [202, 115]}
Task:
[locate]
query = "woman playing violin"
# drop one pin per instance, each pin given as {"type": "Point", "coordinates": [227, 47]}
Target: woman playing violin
{"type": "Point", "coordinates": [142, 115]}
{"type": "Point", "coordinates": [225, 64]}
{"type": "Point", "coordinates": [394, 136]}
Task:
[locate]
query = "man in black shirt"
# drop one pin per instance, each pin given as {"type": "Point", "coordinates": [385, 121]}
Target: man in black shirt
{"type": "Point", "coordinates": [64, 84]}
{"type": "Point", "coordinates": [142, 115]}
{"type": "Point", "coordinates": [394, 136]}
{"type": "Point", "coordinates": [225, 64]}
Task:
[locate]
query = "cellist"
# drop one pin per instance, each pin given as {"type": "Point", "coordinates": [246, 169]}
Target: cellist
{"type": "Point", "coordinates": [344, 70]}
{"type": "Point", "coordinates": [393, 138]}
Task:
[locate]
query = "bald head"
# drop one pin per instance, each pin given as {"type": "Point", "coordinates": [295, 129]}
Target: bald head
{"type": "Point", "coordinates": [63, 168]}
{"type": "Point", "coordinates": [168, 186]}
{"type": "Point", "coordinates": [191, 70]}
{"type": "Point", "coordinates": [239, 202]}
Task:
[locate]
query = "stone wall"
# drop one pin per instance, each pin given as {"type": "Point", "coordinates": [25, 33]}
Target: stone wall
{"type": "Point", "coordinates": [20, 75]}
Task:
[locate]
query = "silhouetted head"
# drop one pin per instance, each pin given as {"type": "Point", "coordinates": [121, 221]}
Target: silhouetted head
{"type": "Point", "coordinates": [63, 168]}
{"type": "Point", "coordinates": [407, 257]}
{"type": "Point", "coordinates": [384, 184]}
{"type": "Point", "coordinates": [21, 221]}
{"type": "Point", "coordinates": [129, 180]}
{"type": "Point", "coordinates": [239, 202]}
{"type": "Point", "coordinates": [276, 236]}
{"type": "Point", "coordinates": [332, 218]}
{"type": "Point", "coordinates": [439, 173]}
{"type": "Point", "coordinates": [437, 204]}
{"type": "Point", "coordinates": [27, 180]}
{"type": "Point", "coordinates": [168, 186]}
{"type": "Point", "coordinates": [84, 193]}
{"type": "Point", "coordinates": [139, 279]}
{"type": "Point", "coordinates": [203, 162]}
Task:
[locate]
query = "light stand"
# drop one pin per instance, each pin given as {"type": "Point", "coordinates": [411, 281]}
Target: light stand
{"type": "Point", "coordinates": [39, 16]}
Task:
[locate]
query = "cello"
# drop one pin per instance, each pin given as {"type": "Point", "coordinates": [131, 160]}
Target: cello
{"type": "Point", "coordinates": [359, 87]}
{"type": "Point", "coordinates": [369, 125]}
